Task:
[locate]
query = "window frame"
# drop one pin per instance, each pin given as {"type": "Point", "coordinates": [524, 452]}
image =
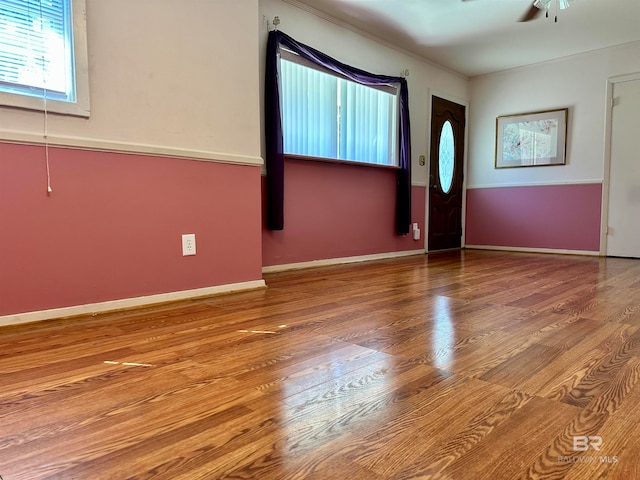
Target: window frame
{"type": "Point", "coordinates": [394, 90]}
{"type": "Point", "coordinates": [81, 106]}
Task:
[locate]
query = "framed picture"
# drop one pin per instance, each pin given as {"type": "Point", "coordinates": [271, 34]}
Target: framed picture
{"type": "Point", "coordinates": [531, 139]}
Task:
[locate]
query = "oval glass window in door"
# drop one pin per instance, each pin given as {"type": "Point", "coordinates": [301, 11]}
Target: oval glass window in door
{"type": "Point", "coordinates": [446, 157]}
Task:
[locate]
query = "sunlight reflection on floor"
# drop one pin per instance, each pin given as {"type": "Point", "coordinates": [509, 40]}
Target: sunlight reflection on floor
{"type": "Point", "coordinates": [444, 338]}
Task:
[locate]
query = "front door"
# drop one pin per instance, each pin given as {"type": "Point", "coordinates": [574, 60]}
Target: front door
{"type": "Point", "coordinates": [446, 175]}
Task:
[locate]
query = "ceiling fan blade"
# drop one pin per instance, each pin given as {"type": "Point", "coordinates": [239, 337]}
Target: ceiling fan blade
{"type": "Point", "coordinates": [531, 14]}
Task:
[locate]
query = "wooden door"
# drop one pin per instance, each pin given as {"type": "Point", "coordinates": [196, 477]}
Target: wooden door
{"type": "Point", "coordinates": [446, 169]}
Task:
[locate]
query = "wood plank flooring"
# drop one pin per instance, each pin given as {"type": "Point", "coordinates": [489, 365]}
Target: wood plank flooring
{"type": "Point", "coordinates": [460, 366]}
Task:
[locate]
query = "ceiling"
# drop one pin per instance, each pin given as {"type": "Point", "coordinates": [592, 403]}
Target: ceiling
{"type": "Point", "coordinates": [476, 37]}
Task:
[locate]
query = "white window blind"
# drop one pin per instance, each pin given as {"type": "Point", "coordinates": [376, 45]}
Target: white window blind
{"type": "Point", "coordinates": [309, 111]}
{"type": "Point", "coordinates": [327, 116]}
{"type": "Point", "coordinates": [367, 124]}
{"type": "Point", "coordinates": [37, 49]}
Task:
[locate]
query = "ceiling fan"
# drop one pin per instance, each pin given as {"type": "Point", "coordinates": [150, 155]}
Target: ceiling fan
{"type": "Point", "coordinates": [540, 6]}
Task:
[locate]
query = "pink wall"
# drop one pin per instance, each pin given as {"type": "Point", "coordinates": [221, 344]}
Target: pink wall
{"type": "Point", "coordinates": [112, 227]}
{"type": "Point", "coordinates": [336, 210]}
{"type": "Point", "coordinates": [565, 217]}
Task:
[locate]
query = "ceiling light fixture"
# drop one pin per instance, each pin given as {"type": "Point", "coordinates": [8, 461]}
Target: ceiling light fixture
{"type": "Point", "coordinates": [546, 4]}
{"type": "Point", "coordinates": [540, 6]}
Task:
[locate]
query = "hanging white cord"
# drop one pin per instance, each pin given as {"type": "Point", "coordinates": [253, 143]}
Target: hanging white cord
{"type": "Point", "coordinates": [46, 114]}
{"type": "Point", "coordinates": [46, 141]}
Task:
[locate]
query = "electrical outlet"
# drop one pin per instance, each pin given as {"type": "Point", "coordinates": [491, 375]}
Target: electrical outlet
{"type": "Point", "coordinates": [188, 244]}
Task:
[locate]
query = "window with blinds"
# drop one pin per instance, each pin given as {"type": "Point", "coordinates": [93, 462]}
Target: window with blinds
{"type": "Point", "coordinates": [37, 50]}
{"type": "Point", "coordinates": [327, 116]}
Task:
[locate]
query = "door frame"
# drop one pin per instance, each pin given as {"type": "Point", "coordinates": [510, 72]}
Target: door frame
{"type": "Point", "coordinates": [606, 177]}
{"type": "Point", "coordinates": [465, 103]}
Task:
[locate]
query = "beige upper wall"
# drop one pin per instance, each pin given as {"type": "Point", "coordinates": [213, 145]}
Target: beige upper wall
{"type": "Point", "coordinates": [355, 49]}
{"type": "Point", "coordinates": [188, 75]}
{"type": "Point", "coordinates": [578, 82]}
{"type": "Point", "coordinates": [165, 73]}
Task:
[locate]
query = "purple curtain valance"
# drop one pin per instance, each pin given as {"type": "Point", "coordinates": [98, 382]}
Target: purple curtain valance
{"type": "Point", "coordinates": [273, 128]}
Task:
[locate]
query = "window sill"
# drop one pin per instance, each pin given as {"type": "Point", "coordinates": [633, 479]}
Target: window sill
{"type": "Point", "coordinates": [289, 156]}
{"type": "Point", "coordinates": [77, 109]}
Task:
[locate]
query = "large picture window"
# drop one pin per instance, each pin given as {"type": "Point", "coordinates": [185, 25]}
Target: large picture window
{"type": "Point", "coordinates": [352, 116]}
{"type": "Point", "coordinates": [327, 116]}
{"type": "Point", "coordinates": [43, 55]}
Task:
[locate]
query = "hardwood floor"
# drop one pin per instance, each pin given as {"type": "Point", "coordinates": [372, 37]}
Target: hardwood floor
{"type": "Point", "coordinates": [464, 365]}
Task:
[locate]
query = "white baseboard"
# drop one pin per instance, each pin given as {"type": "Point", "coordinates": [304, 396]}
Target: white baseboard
{"type": "Point", "coordinates": [481, 186]}
{"type": "Point", "coordinates": [339, 261]}
{"type": "Point", "coordinates": [534, 250]}
{"type": "Point", "coordinates": [111, 305]}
